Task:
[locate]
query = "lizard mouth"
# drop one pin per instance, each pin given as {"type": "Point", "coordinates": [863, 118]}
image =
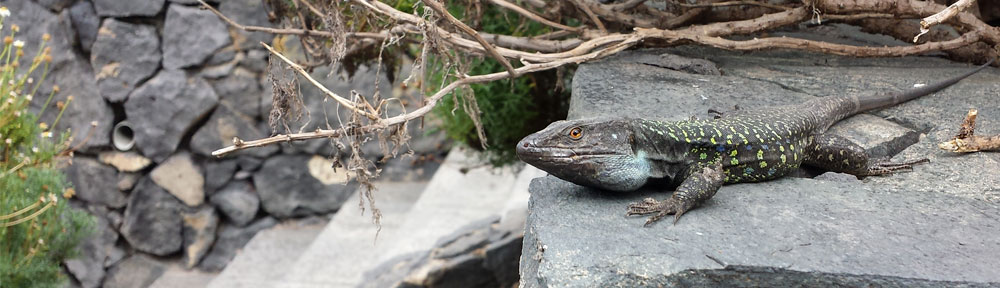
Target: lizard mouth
{"type": "Point", "coordinates": [530, 153]}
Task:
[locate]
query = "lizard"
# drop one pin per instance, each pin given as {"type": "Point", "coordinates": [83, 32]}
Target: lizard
{"type": "Point", "coordinates": [699, 156]}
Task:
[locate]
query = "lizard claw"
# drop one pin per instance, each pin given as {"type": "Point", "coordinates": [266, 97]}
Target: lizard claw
{"type": "Point", "coordinates": [660, 208]}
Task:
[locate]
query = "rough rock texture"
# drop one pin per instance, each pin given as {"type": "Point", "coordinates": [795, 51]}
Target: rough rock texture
{"type": "Point", "coordinates": [238, 201]}
{"type": "Point", "coordinates": [152, 220]}
{"type": "Point", "coordinates": [230, 239]}
{"type": "Point", "coordinates": [287, 188]}
{"type": "Point", "coordinates": [240, 91]}
{"type": "Point", "coordinates": [95, 182]}
{"type": "Point", "coordinates": [929, 227]}
{"type": "Point", "coordinates": [86, 23]}
{"type": "Point", "coordinates": [481, 254]}
{"type": "Point", "coordinates": [222, 127]}
{"type": "Point", "coordinates": [88, 267]}
{"type": "Point", "coordinates": [250, 13]}
{"type": "Point", "coordinates": [123, 55]}
{"type": "Point", "coordinates": [128, 8]}
{"type": "Point", "coordinates": [181, 48]}
{"type": "Point", "coordinates": [55, 4]}
{"type": "Point", "coordinates": [169, 97]}
{"type": "Point", "coordinates": [70, 72]}
{"type": "Point", "coordinates": [135, 271]}
{"type": "Point", "coordinates": [179, 176]}
{"type": "Point", "coordinates": [199, 234]}
{"type": "Point", "coordinates": [218, 172]}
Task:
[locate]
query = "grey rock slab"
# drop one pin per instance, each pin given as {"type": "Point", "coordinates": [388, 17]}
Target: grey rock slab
{"type": "Point", "coordinates": [229, 240]}
{"type": "Point", "coordinates": [182, 178]}
{"type": "Point", "coordinates": [928, 227]}
{"type": "Point", "coordinates": [137, 270]}
{"type": "Point", "coordinates": [176, 276]}
{"type": "Point", "coordinates": [331, 259]}
{"type": "Point", "coordinates": [238, 201]}
{"type": "Point", "coordinates": [879, 137]}
{"type": "Point", "coordinates": [199, 234]}
{"type": "Point", "coordinates": [128, 8]}
{"type": "Point", "coordinates": [164, 108]}
{"type": "Point", "coordinates": [85, 22]}
{"type": "Point", "coordinates": [152, 220]}
{"type": "Point", "coordinates": [224, 125]}
{"type": "Point", "coordinates": [55, 5]}
{"type": "Point", "coordinates": [70, 71]}
{"type": "Point", "coordinates": [793, 230]}
{"type": "Point", "coordinates": [264, 260]}
{"type": "Point", "coordinates": [297, 185]}
{"type": "Point", "coordinates": [95, 182]}
{"type": "Point", "coordinates": [123, 55]}
{"type": "Point", "coordinates": [191, 35]}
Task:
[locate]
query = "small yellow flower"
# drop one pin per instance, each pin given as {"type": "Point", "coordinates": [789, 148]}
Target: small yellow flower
{"type": "Point", "coordinates": [68, 193]}
{"type": "Point", "coordinates": [46, 134]}
{"type": "Point", "coordinates": [43, 126]}
{"type": "Point", "coordinates": [15, 28]}
{"type": "Point", "coordinates": [46, 37]}
{"type": "Point", "coordinates": [18, 43]}
{"type": "Point", "coordinates": [7, 40]}
{"type": "Point", "coordinates": [4, 12]}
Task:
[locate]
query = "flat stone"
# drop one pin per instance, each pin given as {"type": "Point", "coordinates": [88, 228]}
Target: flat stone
{"type": "Point", "coordinates": [152, 220]}
{"type": "Point", "coordinates": [879, 231]}
{"type": "Point", "coordinates": [127, 180]}
{"type": "Point", "coordinates": [125, 161]}
{"type": "Point", "coordinates": [179, 176]}
{"type": "Point", "coordinates": [95, 182]}
{"type": "Point", "coordinates": [238, 202]}
{"type": "Point", "coordinates": [128, 8]}
{"type": "Point", "coordinates": [56, 5]}
{"type": "Point", "coordinates": [70, 71]}
{"type": "Point", "coordinates": [85, 22]}
{"type": "Point", "coordinates": [135, 271]}
{"type": "Point", "coordinates": [123, 55]}
{"type": "Point", "coordinates": [224, 125]}
{"type": "Point", "coordinates": [181, 48]}
{"type": "Point", "coordinates": [199, 234]}
{"type": "Point", "coordinates": [230, 240]}
{"type": "Point", "coordinates": [287, 188]}
{"type": "Point", "coordinates": [169, 97]}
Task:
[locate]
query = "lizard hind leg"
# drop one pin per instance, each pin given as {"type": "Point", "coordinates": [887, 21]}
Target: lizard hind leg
{"type": "Point", "coordinates": [838, 154]}
{"type": "Point", "coordinates": [702, 182]}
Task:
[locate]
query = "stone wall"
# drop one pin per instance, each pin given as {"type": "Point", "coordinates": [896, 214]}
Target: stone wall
{"type": "Point", "coordinates": [186, 84]}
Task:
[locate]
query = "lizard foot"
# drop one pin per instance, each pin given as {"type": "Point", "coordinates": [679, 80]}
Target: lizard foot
{"type": "Point", "coordinates": [883, 167]}
{"type": "Point", "coordinates": [660, 208]}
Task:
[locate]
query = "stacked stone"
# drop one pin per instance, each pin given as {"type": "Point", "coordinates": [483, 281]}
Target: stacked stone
{"type": "Point", "coordinates": [187, 84]}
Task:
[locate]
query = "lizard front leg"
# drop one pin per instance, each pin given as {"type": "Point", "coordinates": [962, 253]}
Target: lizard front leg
{"type": "Point", "coordinates": [838, 154]}
{"type": "Point", "coordinates": [703, 180]}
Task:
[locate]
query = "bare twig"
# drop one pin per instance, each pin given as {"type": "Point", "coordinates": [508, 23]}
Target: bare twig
{"type": "Point", "coordinates": [343, 101]}
{"type": "Point", "coordinates": [590, 13]}
{"type": "Point", "coordinates": [533, 16]}
{"type": "Point", "coordinates": [441, 10]}
{"type": "Point", "coordinates": [937, 18]}
{"type": "Point", "coordinates": [736, 3]}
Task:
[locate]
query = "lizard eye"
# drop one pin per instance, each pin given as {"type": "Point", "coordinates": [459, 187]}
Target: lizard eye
{"type": "Point", "coordinates": [576, 133]}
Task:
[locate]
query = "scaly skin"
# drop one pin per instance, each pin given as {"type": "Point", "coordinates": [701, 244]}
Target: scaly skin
{"type": "Point", "coordinates": [699, 156]}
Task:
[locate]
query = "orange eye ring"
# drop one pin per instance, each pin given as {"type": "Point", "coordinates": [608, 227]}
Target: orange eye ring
{"type": "Point", "coordinates": [576, 133]}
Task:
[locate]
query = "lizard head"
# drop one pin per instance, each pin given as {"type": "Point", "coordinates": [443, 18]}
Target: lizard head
{"type": "Point", "coordinates": [591, 152]}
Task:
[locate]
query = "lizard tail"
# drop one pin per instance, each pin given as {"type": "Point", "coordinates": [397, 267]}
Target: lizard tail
{"type": "Point", "coordinates": [885, 100]}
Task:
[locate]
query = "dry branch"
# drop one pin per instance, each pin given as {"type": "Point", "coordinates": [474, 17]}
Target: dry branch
{"type": "Point", "coordinates": [441, 10]}
{"type": "Point", "coordinates": [940, 17]}
{"type": "Point", "coordinates": [966, 141]}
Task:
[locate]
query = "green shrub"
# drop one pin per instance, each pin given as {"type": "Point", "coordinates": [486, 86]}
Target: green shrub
{"type": "Point", "coordinates": [38, 230]}
{"type": "Point", "coordinates": [510, 109]}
